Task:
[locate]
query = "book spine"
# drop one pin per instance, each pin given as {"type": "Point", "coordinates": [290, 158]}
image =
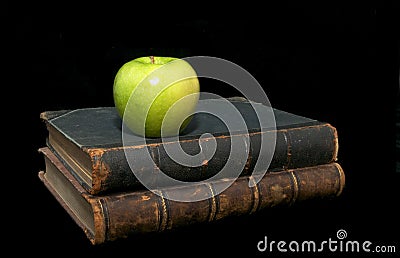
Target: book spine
{"type": "Point", "coordinates": [295, 148]}
{"type": "Point", "coordinates": [305, 146]}
{"type": "Point", "coordinates": [144, 211]}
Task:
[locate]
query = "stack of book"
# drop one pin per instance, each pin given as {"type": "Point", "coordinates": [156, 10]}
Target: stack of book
{"type": "Point", "coordinates": [87, 171]}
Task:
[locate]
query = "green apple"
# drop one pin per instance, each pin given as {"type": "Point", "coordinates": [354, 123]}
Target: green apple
{"type": "Point", "coordinates": [144, 90]}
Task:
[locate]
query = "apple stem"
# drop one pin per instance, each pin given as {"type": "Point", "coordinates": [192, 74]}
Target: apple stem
{"type": "Point", "coordinates": [152, 59]}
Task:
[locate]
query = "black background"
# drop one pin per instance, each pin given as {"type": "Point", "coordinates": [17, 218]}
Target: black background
{"type": "Point", "coordinates": [331, 64]}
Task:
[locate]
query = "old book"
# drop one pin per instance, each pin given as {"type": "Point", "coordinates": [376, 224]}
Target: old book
{"type": "Point", "coordinates": [90, 143]}
{"type": "Point", "coordinates": [110, 217]}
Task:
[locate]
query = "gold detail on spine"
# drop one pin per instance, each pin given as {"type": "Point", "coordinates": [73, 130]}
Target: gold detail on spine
{"type": "Point", "coordinates": [164, 212]}
{"type": "Point", "coordinates": [295, 186]}
{"type": "Point", "coordinates": [256, 194]}
{"type": "Point", "coordinates": [213, 211]}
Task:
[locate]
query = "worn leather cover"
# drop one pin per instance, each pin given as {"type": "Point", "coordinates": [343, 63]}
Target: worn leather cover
{"type": "Point", "coordinates": [300, 142]}
{"type": "Point", "coordinates": [119, 215]}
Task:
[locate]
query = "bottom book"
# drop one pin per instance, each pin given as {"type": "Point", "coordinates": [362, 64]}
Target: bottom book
{"type": "Point", "coordinates": [109, 217]}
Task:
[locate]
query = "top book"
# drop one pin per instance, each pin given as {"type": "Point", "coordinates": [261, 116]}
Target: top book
{"type": "Point", "coordinates": [91, 143]}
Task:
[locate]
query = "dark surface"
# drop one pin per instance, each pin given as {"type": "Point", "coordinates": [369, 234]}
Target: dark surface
{"type": "Point", "coordinates": [330, 64]}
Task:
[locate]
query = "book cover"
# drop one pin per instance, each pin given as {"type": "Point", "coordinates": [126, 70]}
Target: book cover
{"type": "Point", "coordinates": [89, 141]}
{"type": "Point", "coordinates": [110, 217]}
